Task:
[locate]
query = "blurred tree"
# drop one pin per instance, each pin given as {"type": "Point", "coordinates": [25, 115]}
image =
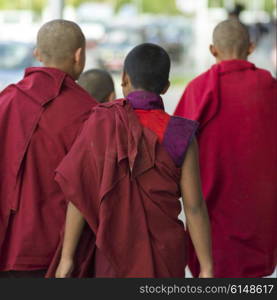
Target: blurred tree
{"type": "Point", "coordinates": [157, 6]}
{"type": "Point", "coordinates": [148, 6]}
{"type": "Point", "coordinates": [120, 3]}
{"type": "Point", "coordinates": [36, 5]}
{"type": "Point", "coordinates": [270, 6]}
{"type": "Point", "coordinates": [76, 3]}
{"type": "Point", "coordinates": [216, 3]}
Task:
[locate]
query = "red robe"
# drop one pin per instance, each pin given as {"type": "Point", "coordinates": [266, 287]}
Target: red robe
{"type": "Point", "coordinates": [39, 119]}
{"type": "Point", "coordinates": [126, 185]}
{"type": "Point", "coordinates": [236, 106]}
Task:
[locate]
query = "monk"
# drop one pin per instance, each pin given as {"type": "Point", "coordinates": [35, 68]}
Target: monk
{"type": "Point", "coordinates": [40, 117]}
{"type": "Point", "coordinates": [236, 106]}
{"type": "Point", "coordinates": [123, 178]}
{"type": "Point", "coordinates": [99, 84]}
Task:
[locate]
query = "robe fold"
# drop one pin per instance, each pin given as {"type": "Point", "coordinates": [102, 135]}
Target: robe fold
{"type": "Point", "coordinates": [123, 175]}
{"type": "Point", "coordinates": [236, 106]}
{"type": "Point", "coordinates": [40, 117]}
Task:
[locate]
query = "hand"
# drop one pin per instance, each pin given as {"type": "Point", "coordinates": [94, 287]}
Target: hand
{"type": "Point", "coordinates": [206, 274]}
{"type": "Point", "coordinates": [65, 268]}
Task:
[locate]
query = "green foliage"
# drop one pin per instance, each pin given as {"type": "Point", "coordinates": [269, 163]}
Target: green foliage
{"type": "Point", "coordinates": [35, 5]}
{"type": "Point", "coordinates": [147, 6]}
{"type": "Point", "coordinates": [215, 3]}
{"type": "Point", "coordinates": [160, 7]}
{"type": "Point", "coordinates": [270, 6]}
{"type": "Point", "coordinates": [77, 3]}
{"type": "Point", "coordinates": [120, 3]}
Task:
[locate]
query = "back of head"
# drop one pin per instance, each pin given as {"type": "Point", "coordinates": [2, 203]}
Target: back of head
{"type": "Point", "coordinates": [58, 40]}
{"type": "Point", "coordinates": [148, 67]}
{"type": "Point", "coordinates": [232, 38]}
{"type": "Point", "coordinates": [98, 83]}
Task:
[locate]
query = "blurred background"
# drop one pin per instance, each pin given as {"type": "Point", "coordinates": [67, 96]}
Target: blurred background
{"type": "Point", "coordinates": [112, 27]}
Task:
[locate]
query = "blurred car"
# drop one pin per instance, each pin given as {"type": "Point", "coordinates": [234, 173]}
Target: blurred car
{"type": "Point", "coordinates": [117, 42]}
{"type": "Point", "coordinates": [173, 34]}
{"type": "Point", "coordinates": [94, 33]}
{"type": "Point", "coordinates": [15, 57]}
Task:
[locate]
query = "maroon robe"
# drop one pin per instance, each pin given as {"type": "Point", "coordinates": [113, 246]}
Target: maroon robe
{"type": "Point", "coordinates": [236, 106]}
{"type": "Point", "coordinates": [39, 119]}
{"type": "Point", "coordinates": [126, 185]}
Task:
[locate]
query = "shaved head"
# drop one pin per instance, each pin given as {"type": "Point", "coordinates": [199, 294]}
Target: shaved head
{"type": "Point", "coordinates": [231, 37]}
{"type": "Point", "coordinates": [98, 83]}
{"type": "Point", "coordinates": [58, 40]}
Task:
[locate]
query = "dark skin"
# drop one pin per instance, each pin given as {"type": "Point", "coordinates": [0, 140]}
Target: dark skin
{"type": "Point", "coordinates": [194, 207]}
{"type": "Point", "coordinates": [73, 65]}
{"type": "Point", "coordinates": [222, 55]}
{"type": "Point", "coordinates": [127, 86]}
{"type": "Point", "coordinates": [111, 97]}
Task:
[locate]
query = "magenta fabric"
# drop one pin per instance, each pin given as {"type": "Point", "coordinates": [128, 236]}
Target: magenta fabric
{"type": "Point", "coordinates": [145, 100]}
{"type": "Point", "coordinates": [176, 135]}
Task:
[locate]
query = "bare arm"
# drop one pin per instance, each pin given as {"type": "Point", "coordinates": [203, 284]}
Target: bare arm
{"type": "Point", "coordinates": [196, 210]}
{"type": "Point", "coordinates": [73, 229]}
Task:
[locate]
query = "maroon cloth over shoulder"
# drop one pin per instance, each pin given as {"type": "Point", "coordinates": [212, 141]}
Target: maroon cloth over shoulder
{"type": "Point", "coordinates": [40, 117]}
{"type": "Point", "coordinates": [236, 106]}
{"type": "Point", "coordinates": [126, 185]}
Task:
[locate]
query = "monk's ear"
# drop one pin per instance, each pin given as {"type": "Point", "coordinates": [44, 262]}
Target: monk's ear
{"type": "Point", "coordinates": [165, 88]}
{"type": "Point", "coordinates": [126, 84]}
{"type": "Point", "coordinates": [37, 55]}
{"type": "Point", "coordinates": [112, 96]}
{"type": "Point", "coordinates": [213, 50]}
{"type": "Point", "coordinates": [78, 55]}
{"type": "Point", "coordinates": [124, 79]}
{"type": "Point", "coordinates": [251, 49]}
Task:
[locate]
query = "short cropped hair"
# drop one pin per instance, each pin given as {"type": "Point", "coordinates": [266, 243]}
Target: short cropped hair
{"type": "Point", "coordinates": [98, 83]}
{"type": "Point", "coordinates": [148, 67]}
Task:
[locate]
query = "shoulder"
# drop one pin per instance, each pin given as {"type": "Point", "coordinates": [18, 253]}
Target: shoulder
{"type": "Point", "coordinates": [8, 91]}
{"type": "Point", "coordinates": [106, 112]}
{"type": "Point", "coordinates": [182, 126]}
{"type": "Point", "coordinates": [74, 91]}
{"type": "Point", "coordinates": [200, 78]}
{"type": "Point", "coordinates": [71, 103]}
{"type": "Point", "coordinates": [113, 104]}
{"type": "Point", "coordinates": [199, 81]}
{"type": "Point", "coordinates": [9, 94]}
{"type": "Point", "coordinates": [178, 136]}
{"type": "Point", "coordinates": [110, 108]}
{"type": "Point", "coordinates": [266, 76]}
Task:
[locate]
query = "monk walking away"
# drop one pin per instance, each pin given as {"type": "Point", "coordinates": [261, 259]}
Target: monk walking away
{"type": "Point", "coordinates": [40, 117]}
{"type": "Point", "coordinates": [236, 106]}
{"type": "Point", "coordinates": [123, 178]}
{"type": "Point", "coordinates": [99, 84]}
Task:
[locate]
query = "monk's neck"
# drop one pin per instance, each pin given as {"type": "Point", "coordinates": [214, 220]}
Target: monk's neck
{"type": "Point", "coordinates": [221, 59]}
{"type": "Point", "coordinates": [131, 90]}
{"type": "Point", "coordinates": [137, 90]}
{"type": "Point", "coordinates": [66, 69]}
